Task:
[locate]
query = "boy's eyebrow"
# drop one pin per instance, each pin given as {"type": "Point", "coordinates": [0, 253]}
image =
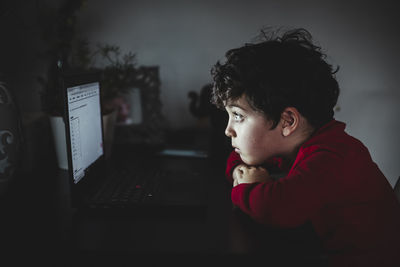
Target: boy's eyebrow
{"type": "Point", "coordinates": [236, 105]}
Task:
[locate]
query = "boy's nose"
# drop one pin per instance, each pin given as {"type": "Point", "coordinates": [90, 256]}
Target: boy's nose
{"type": "Point", "coordinates": [229, 131]}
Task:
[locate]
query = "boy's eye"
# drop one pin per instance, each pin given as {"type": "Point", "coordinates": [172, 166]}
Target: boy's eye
{"type": "Point", "coordinates": [237, 116]}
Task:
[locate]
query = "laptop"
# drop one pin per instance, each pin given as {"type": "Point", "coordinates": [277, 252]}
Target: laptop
{"type": "Point", "coordinates": [131, 184]}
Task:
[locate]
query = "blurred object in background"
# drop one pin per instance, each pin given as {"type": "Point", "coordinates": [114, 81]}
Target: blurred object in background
{"type": "Point", "coordinates": [10, 138]}
{"type": "Point", "coordinates": [210, 116]}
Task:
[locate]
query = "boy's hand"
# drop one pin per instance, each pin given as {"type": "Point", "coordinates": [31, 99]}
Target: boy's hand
{"type": "Point", "coordinates": [249, 174]}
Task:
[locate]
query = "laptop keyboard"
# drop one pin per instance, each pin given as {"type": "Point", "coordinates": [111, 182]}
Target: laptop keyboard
{"type": "Point", "coordinates": [125, 187]}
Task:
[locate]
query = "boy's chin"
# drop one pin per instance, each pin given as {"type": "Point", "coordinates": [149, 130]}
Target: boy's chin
{"type": "Point", "coordinates": [249, 161]}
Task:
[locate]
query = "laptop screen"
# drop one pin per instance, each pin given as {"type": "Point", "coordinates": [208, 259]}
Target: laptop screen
{"type": "Point", "coordinates": [85, 127]}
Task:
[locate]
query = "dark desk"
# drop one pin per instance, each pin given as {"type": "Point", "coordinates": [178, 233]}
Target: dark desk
{"type": "Point", "coordinates": [39, 223]}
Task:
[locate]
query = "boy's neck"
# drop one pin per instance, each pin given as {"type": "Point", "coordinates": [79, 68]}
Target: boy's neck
{"type": "Point", "coordinates": [301, 136]}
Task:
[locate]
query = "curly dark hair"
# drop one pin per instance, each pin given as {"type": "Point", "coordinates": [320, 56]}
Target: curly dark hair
{"type": "Point", "coordinates": [279, 72]}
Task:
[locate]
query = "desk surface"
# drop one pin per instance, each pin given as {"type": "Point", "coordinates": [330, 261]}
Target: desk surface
{"type": "Point", "coordinates": [37, 220]}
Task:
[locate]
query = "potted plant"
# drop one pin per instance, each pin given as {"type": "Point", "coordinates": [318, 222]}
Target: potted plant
{"type": "Point", "coordinates": [67, 52]}
{"type": "Point", "coordinates": [118, 78]}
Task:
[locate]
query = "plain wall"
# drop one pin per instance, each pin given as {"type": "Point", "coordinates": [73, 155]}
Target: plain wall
{"type": "Point", "coordinates": [186, 38]}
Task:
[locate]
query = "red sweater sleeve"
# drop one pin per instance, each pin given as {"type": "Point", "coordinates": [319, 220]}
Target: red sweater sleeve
{"type": "Point", "coordinates": [291, 200]}
{"type": "Point", "coordinates": [233, 160]}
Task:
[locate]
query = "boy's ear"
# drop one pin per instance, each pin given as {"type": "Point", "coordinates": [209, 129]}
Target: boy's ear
{"type": "Point", "coordinates": [290, 118]}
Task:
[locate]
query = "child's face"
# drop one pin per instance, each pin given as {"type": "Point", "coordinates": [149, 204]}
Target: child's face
{"type": "Point", "coordinates": [251, 133]}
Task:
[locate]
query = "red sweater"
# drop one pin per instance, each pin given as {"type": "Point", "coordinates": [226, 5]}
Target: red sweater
{"type": "Point", "coordinates": [335, 185]}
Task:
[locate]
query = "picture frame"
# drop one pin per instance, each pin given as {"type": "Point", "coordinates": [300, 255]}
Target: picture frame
{"type": "Point", "coordinates": [150, 128]}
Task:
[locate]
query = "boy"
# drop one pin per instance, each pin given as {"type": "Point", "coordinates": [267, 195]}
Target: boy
{"type": "Point", "coordinates": [280, 95]}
